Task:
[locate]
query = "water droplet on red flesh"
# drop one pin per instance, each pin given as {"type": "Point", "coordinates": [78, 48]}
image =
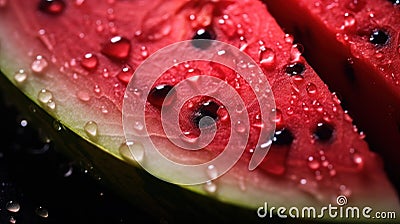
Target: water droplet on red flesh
{"type": "Point", "coordinates": [89, 61]}
{"type": "Point", "coordinates": [53, 7]}
{"type": "Point", "coordinates": [117, 48]}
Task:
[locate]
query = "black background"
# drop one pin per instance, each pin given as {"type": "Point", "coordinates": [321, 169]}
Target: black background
{"type": "Point", "coordinates": [33, 174]}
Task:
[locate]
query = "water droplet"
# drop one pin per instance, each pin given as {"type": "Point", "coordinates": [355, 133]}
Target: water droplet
{"type": "Point", "coordinates": [52, 7]}
{"type": "Point", "coordinates": [89, 61]}
{"type": "Point", "coordinates": [125, 74]}
{"type": "Point", "coordinates": [283, 137]}
{"type": "Point", "coordinates": [57, 125]}
{"type": "Point", "coordinates": [12, 220]}
{"type": "Point", "coordinates": [313, 163]}
{"type": "Point", "coordinates": [288, 38]}
{"type": "Point", "coordinates": [210, 187]}
{"type": "Point", "coordinates": [395, 2]}
{"type": "Point", "coordinates": [39, 64]}
{"type": "Point", "coordinates": [303, 181]}
{"type": "Point", "coordinates": [358, 160]}
{"type": "Point", "coordinates": [158, 95]}
{"type": "Point", "coordinates": [138, 125]}
{"type": "Point", "coordinates": [83, 95]}
{"type": "Point", "coordinates": [117, 48]}
{"type": "Point", "coordinates": [144, 52]}
{"type": "Point", "coordinates": [45, 96]}
{"type": "Point", "coordinates": [97, 89]}
{"type": "Point", "coordinates": [91, 129]}
{"type": "Point", "coordinates": [3, 3]}
{"type": "Point", "coordinates": [324, 131]}
{"type": "Point", "coordinates": [266, 57]}
{"type": "Point", "coordinates": [212, 172]}
{"type": "Point", "coordinates": [289, 111]}
{"type": "Point", "coordinates": [296, 68]}
{"type": "Point", "coordinates": [295, 52]}
{"type": "Point", "coordinates": [311, 88]}
{"type": "Point", "coordinates": [20, 76]}
{"type": "Point", "coordinates": [42, 212]}
{"type": "Point", "coordinates": [379, 37]}
{"type": "Point", "coordinates": [240, 127]}
{"type": "Point", "coordinates": [349, 20]}
{"type": "Point", "coordinates": [13, 206]}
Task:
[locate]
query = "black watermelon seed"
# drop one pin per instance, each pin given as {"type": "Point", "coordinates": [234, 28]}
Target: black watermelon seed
{"type": "Point", "coordinates": [295, 69]}
{"type": "Point", "coordinates": [323, 132]}
{"type": "Point", "coordinates": [379, 37]}
{"type": "Point", "coordinates": [207, 109]}
{"type": "Point", "coordinates": [158, 94]}
{"type": "Point", "coordinates": [283, 137]}
{"type": "Point", "coordinates": [203, 34]}
{"type": "Point", "coordinates": [395, 2]}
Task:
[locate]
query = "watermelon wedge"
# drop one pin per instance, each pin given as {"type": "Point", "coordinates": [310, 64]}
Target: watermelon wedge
{"type": "Point", "coordinates": [75, 59]}
{"type": "Point", "coordinates": [360, 39]}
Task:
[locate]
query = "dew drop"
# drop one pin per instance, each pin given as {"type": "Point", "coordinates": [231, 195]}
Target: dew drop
{"type": "Point", "coordinates": [39, 64]}
{"type": "Point", "coordinates": [358, 160]}
{"type": "Point", "coordinates": [52, 7]}
{"type": "Point", "coordinates": [266, 57]}
{"type": "Point", "coordinates": [131, 151]}
{"type": "Point", "coordinates": [210, 187]}
{"type": "Point", "coordinates": [158, 95]}
{"type": "Point", "coordinates": [192, 74]}
{"type": "Point", "coordinates": [12, 220]}
{"type": "Point", "coordinates": [97, 89]}
{"type": "Point", "coordinates": [42, 212]}
{"type": "Point", "coordinates": [91, 129]}
{"type": "Point", "coordinates": [240, 127]}
{"type": "Point", "coordinates": [125, 74]}
{"type": "Point", "coordinates": [349, 20]}
{"type": "Point", "coordinates": [289, 111]}
{"type": "Point", "coordinates": [138, 126]}
{"type": "Point", "coordinates": [212, 172]}
{"type": "Point", "coordinates": [395, 2]}
{"type": "Point", "coordinates": [83, 95]}
{"type": "Point", "coordinates": [295, 52]}
{"type": "Point", "coordinates": [117, 48]}
{"type": "Point", "coordinates": [13, 206]}
{"type": "Point", "coordinates": [313, 163]}
{"type": "Point", "coordinates": [311, 88]}
{"type": "Point", "coordinates": [89, 61]}
{"type": "Point", "coordinates": [288, 38]}
{"type": "Point", "coordinates": [3, 3]}
{"type": "Point", "coordinates": [45, 96]}
{"type": "Point", "coordinates": [303, 181]}
{"type": "Point", "coordinates": [20, 76]}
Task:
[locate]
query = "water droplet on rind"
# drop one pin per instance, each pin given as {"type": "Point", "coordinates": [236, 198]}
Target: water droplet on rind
{"type": "Point", "coordinates": [20, 76]}
{"type": "Point", "coordinates": [13, 206]}
{"type": "Point", "coordinates": [45, 97]}
{"type": "Point", "coordinates": [91, 129]}
{"type": "Point", "coordinates": [210, 187]}
{"type": "Point", "coordinates": [39, 65]}
{"type": "Point", "coordinates": [42, 212]}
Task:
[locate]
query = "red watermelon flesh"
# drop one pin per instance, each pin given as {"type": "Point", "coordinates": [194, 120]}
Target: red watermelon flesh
{"type": "Point", "coordinates": [85, 52]}
{"type": "Point", "coordinates": [360, 39]}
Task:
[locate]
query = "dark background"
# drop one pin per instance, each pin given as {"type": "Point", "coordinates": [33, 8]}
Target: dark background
{"type": "Point", "coordinates": [39, 179]}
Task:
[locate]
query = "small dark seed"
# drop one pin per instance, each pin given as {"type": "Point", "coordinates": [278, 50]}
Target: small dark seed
{"type": "Point", "coordinates": [207, 109]}
{"type": "Point", "coordinates": [349, 70]}
{"type": "Point", "coordinates": [323, 132]}
{"type": "Point", "coordinates": [295, 69]}
{"type": "Point", "coordinates": [379, 37]}
{"type": "Point", "coordinates": [395, 2]}
{"type": "Point", "coordinates": [203, 34]}
{"type": "Point", "coordinates": [283, 137]}
{"type": "Point", "coordinates": [158, 95]}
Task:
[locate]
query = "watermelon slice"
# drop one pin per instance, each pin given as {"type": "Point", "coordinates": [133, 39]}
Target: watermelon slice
{"type": "Point", "coordinates": [75, 59]}
{"type": "Point", "coordinates": [361, 41]}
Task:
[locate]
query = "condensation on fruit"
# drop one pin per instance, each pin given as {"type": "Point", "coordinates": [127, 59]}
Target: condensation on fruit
{"type": "Point", "coordinates": [210, 187]}
{"type": "Point", "coordinates": [45, 97]}
{"type": "Point", "coordinates": [39, 64]}
{"type": "Point", "coordinates": [91, 129]}
{"type": "Point", "coordinates": [20, 76]}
